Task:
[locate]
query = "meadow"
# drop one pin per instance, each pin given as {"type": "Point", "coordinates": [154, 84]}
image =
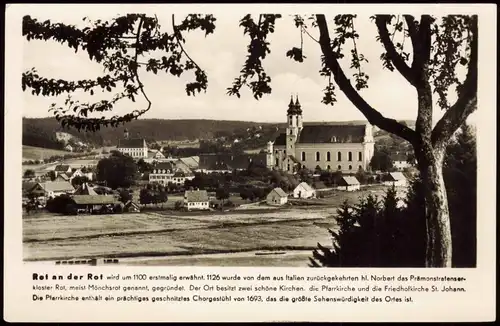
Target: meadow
{"type": "Point", "coordinates": [50, 237]}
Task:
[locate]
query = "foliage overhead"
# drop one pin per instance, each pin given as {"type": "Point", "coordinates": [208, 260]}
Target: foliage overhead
{"type": "Point", "coordinates": [117, 45]}
{"type": "Point", "coordinates": [425, 50]}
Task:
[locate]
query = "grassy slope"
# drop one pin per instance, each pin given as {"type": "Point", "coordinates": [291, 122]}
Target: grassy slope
{"type": "Point", "coordinates": [37, 153]}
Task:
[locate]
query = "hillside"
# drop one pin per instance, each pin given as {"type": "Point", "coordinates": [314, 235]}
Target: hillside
{"type": "Point", "coordinates": [41, 132]}
{"type": "Point", "coordinates": [151, 129]}
{"type": "Point", "coordinates": [39, 153]}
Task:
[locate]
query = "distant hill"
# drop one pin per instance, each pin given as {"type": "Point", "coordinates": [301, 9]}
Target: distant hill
{"type": "Point", "coordinates": [41, 132]}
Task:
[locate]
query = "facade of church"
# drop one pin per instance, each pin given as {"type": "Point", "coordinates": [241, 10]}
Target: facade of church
{"type": "Point", "coordinates": [135, 147]}
{"type": "Point", "coordinates": [333, 147]}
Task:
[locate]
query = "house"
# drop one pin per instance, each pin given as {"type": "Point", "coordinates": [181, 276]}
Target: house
{"type": "Point", "coordinates": [62, 168]}
{"type": "Point", "coordinates": [400, 161]}
{"type": "Point", "coordinates": [277, 197]}
{"type": "Point", "coordinates": [62, 177]}
{"type": "Point", "coordinates": [166, 172]}
{"type": "Point", "coordinates": [335, 147]}
{"type": "Point", "coordinates": [54, 188]}
{"type": "Point", "coordinates": [348, 183]}
{"type": "Point", "coordinates": [27, 187]}
{"type": "Point", "coordinates": [188, 163]}
{"type": "Point", "coordinates": [179, 177]}
{"type": "Point", "coordinates": [85, 189]}
{"type": "Point", "coordinates": [196, 200]}
{"type": "Point", "coordinates": [69, 148]}
{"type": "Point", "coordinates": [303, 190]}
{"type": "Point", "coordinates": [92, 203]}
{"type": "Point", "coordinates": [135, 147]}
{"type": "Point", "coordinates": [155, 155]}
{"type": "Point", "coordinates": [396, 179]}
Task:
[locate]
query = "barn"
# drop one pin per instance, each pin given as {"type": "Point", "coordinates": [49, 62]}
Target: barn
{"type": "Point", "coordinates": [396, 179]}
{"type": "Point", "coordinates": [348, 183]}
{"type": "Point", "coordinates": [304, 190]}
{"type": "Point", "coordinates": [277, 197]}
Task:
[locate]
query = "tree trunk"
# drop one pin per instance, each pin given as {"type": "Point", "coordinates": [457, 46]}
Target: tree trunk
{"type": "Point", "coordinates": [439, 241]}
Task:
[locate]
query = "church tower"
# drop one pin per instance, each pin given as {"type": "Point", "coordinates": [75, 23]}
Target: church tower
{"type": "Point", "coordinates": [368, 146]}
{"type": "Point", "coordinates": [294, 118]}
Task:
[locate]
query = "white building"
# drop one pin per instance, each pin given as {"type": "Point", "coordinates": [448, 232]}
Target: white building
{"type": "Point", "coordinates": [134, 147]}
{"type": "Point", "coordinates": [62, 168]}
{"type": "Point", "coordinates": [166, 172]}
{"type": "Point", "coordinates": [196, 200]}
{"type": "Point", "coordinates": [54, 188]}
{"type": "Point", "coordinates": [400, 161]}
{"type": "Point", "coordinates": [343, 147]}
{"type": "Point", "coordinates": [277, 197]}
{"type": "Point", "coordinates": [155, 155]}
{"type": "Point", "coordinates": [303, 190]}
{"type": "Point", "coordinates": [69, 148]}
{"type": "Point", "coordinates": [348, 183]}
{"type": "Point", "coordinates": [396, 179]}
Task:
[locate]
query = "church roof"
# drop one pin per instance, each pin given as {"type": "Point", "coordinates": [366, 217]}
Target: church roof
{"type": "Point", "coordinates": [132, 143]}
{"type": "Point", "coordinates": [280, 140]}
{"type": "Point", "coordinates": [314, 134]}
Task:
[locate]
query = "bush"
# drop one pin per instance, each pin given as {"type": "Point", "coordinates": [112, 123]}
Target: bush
{"type": "Point", "coordinates": [59, 204]}
{"type": "Point", "coordinates": [375, 234]}
{"type": "Point", "coordinates": [179, 205]}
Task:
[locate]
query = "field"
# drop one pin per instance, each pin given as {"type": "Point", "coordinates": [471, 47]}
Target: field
{"type": "Point", "coordinates": [49, 237]}
{"type": "Point", "coordinates": [39, 153]}
{"type": "Point", "coordinates": [169, 237]}
{"type": "Point", "coordinates": [181, 143]}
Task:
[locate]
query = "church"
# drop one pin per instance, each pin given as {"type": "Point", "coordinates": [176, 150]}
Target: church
{"type": "Point", "coordinates": [135, 147]}
{"type": "Point", "coordinates": [334, 147]}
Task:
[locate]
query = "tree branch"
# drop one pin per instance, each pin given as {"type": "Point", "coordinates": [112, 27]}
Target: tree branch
{"type": "Point", "coordinates": [467, 100]}
{"type": "Point", "coordinates": [373, 116]}
{"type": "Point", "coordinates": [413, 32]}
{"type": "Point", "coordinates": [425, 37]}
{"type": "Point", "coordinates": [381, 22]}
{"type": "Point", "coordinates": [176, 34]}
{"type": "Point", "coordinates": [308, 34]}
{"type": "Point", "coordinates": [136, 70]}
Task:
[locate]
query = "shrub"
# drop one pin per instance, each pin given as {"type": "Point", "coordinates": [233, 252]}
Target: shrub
{"type": "Point", "coordinates": [178, 205]}
{"type": "Point", "coordinates": [375, 233]}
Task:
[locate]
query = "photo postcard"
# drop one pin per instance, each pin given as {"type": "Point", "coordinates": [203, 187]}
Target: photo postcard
{"type": "Point", "coordinates": [257, 162]}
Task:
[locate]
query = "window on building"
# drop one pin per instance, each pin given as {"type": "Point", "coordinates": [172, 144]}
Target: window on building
{"type": "Point", "coordinates": [328, 156]}
{"type": "Point", "coordinates": [284, 152]}
{"type": "Point", "coordinates": [276, 162]}
{"type": "Point", "coordinates": [318, 157]}
{"type": "Point", "coordinates": [297, 119]}
{"type": "Point", "coordinates": [360, 156]}
{"type": "Point", "coordinates": [339, 156]}
{"type": "Point", "coordinates": [288, 167]}
{"type": "Point", "coordinates": [328, 167]}
{"type": "Point", "coordinates": [339, 167]}
{"type": "Point", "coordinates": [291, 131]}
{"type": "Point", "coordinates": [360, 168]}
{"type": "Point", "coordinates": [276, 151]}
{"type": "Point", "coordinates": [303, 156]}
{"type": "Point", "coordinates": [350, 156]}
{"type": "Point", "coordinates": [350, 167]}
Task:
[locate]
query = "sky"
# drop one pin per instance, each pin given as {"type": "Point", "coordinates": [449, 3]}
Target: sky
{"type": "Point", "coordinates": [222, 55]}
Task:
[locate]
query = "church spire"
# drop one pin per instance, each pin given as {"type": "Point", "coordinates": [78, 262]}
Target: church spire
{"type": "Point", "coordinates": [294, 108]}
{"type": "Point", "coordinates": [297, 105]}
